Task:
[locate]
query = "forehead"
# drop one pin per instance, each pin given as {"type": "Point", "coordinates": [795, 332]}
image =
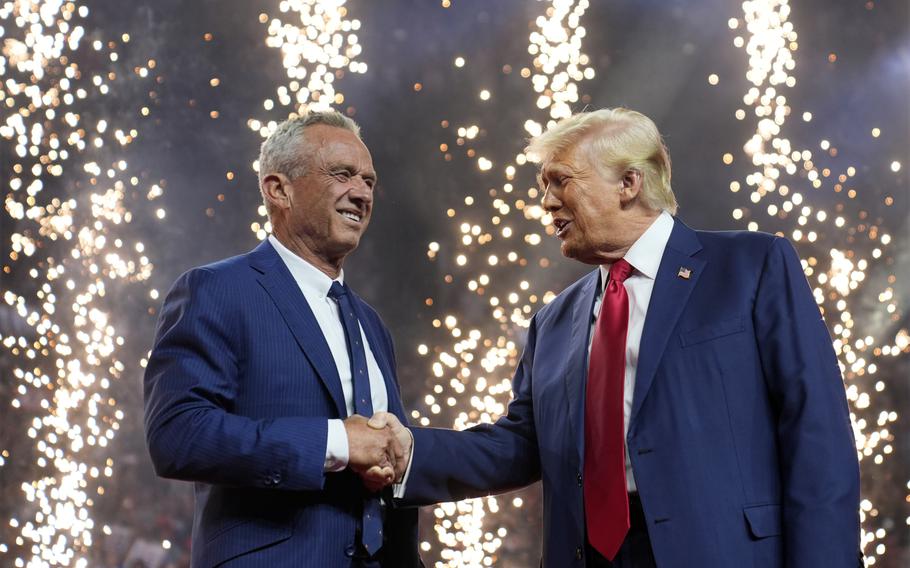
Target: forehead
{"type": "Point", "coordinates": [330, 144]}
{"type": "Point", "coordinates": [573, 158]}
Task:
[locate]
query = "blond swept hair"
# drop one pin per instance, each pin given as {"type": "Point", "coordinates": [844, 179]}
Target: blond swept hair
{"type": "Point", "coordinates": [617, 138]}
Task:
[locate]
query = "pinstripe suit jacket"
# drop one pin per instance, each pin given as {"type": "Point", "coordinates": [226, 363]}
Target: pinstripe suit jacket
{"type": "Point", "coordinates": [237, 392]}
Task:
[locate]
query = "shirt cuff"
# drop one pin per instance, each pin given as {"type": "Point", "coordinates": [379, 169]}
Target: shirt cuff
{"type": "Point", "coordinates": [336, 447]}
{"type": "Point", "coordinates": [399, 488]}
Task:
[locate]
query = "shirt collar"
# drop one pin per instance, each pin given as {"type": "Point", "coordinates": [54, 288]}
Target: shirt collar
{"type": "Point", "coordinates": [312, 281]}
{"type": "Point", "coordinates": [645, 254]}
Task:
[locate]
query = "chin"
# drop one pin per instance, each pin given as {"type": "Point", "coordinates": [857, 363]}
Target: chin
{"type": "Point", "coordinates": [350, 245]}
{"type": "Point", "coordinates": [568, 250]}
{"type": "Point", "coordinates": [344, 244]}
{"type": "Point", "coordinates": [577, 252]}
{"type": "Point", "coordinates": [347, 238]}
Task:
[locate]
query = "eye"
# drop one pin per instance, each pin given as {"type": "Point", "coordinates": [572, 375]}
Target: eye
{"type": "Point", "coordinates": [555, 181]}
{"type": "Point", "coordinates": [342, 175]}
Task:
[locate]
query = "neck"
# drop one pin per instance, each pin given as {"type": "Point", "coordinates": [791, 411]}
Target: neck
{"type": "Point", "coordinates": [328, 266]}
{"type": "Point", "coordinates": [636, 227]}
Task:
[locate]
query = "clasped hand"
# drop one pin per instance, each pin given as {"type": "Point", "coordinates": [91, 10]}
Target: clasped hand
{"type": "Point", "coordinates": [378, 449]}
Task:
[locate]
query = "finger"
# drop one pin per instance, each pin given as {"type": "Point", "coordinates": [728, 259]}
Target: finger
{"type": "Point", "coordinates": [401, 464]}
{"type": "Point", "coordinates": [407, 440]}
{"type": "Point", "coordinates": [393, 422]}
{"type": "Point", "coordinates": [376, 474]}
{"type": "Point", "coordinates": [397, 448]}
{"type": "Point", "coordinates": [389, 459]}
{"type": "Point", "coordinates": [384, 458]}
{"type": "Point", "coordinates": [378, 477]}
{"type": "Point", "coordinates": [400, 467]}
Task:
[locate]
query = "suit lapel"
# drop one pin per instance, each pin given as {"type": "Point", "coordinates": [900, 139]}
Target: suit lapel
{"type": "Point", "coordinates": [576, 372]}
{"type": "Point", "coordinates": [281, 287]}
{"type": "Point", "coordinates": [383, 358]}
{"type": "Point", "coordinates": [668, 300]}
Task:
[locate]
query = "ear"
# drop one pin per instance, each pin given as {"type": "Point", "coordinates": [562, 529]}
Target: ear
{"type": "Point", "coordinates": [631, 186]}
{"type": "Point", "coordinates": [276, 190]}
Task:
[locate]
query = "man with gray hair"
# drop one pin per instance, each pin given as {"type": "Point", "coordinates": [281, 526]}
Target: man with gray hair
{"type": "Point", "coordinates": [682, 403]}
{"type": "Point", "coordinates": [266, 367]}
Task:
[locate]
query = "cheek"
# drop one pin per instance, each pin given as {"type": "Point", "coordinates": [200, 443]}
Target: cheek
{"type": "Point", "coordinates": [594, 215]}
{"type": "Point", "coordinates": [584, 219]}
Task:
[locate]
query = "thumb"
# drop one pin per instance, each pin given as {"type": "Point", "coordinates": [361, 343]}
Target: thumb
{"type": "Point", "coordinates": [378, 420]}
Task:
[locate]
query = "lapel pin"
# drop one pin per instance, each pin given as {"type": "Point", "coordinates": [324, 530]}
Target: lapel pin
{"type": "Point", "coordinates": [684, 273]}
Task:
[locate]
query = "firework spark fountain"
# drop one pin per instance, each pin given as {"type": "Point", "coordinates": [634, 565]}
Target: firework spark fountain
{"type": "Point", "coordinates": [496, 256]}
{"type": "Point", "coordinates": [318, 43]}
{"type": "Point", "coordinates": [66, 211]}
{"type": "Point", "coordinates": [788, 191]}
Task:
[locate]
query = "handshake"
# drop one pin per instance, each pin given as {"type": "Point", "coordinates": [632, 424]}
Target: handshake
{"type": "Point", "coordinates": [379, 449]}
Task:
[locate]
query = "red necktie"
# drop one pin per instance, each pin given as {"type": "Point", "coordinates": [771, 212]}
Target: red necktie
{"type": "Point", "coordinates": [606, 499]}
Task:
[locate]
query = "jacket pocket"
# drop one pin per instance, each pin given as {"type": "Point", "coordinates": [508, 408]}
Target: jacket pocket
{"type": "Point", "coordinates": [764, 520]}
{"type": "Point", "coordinates": [242, 538]}
{"type": "Point", "coordinates": [712, 330]}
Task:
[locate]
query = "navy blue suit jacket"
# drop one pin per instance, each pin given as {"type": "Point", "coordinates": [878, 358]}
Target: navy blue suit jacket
{"type": "Point", "coordinates": [740, 436]}
{"type": "Point", "coordinates": [237, 392]}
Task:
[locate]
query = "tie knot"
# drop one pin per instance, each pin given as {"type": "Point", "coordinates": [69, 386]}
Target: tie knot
{"type": "Point", "coordinates": [337, 290]}
{"type": "Point", "coordinates": [621, 270]}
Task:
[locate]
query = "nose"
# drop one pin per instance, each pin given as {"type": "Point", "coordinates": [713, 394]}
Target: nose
{"type": "Point", "coordinates": [360, 193]}
{"type": "Point", "coordinates": [549, 201]}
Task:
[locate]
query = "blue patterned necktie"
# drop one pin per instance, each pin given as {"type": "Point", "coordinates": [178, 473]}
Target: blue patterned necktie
{"type": "Point", "coordinates": [363, 404]}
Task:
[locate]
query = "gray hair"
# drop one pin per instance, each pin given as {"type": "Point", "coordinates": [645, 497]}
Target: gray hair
{"type": "Point", "coordinates": [284, 151]}
{"type": "Point", "coordinates": [619, 138]}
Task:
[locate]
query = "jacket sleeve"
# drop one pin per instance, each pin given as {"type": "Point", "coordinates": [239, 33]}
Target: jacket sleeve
{"type": "Point", "coordinates": [449, 465]}
{"type": "Point", "coordinates": [819, 467]}
{"type": "Point", "coordinates": [190, 386]}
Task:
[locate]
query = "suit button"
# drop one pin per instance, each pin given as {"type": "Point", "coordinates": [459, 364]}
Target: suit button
{"type": "Point", "coordinates": [579, 480]}
{"type": "Point", "coordinates": [349, 551]}
{"type": "Point", "coordinates": [579, 553]}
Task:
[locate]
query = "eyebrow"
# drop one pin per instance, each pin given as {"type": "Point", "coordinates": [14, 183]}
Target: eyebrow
{"type": "Point", "coordinates": [557, 169]}
{"type": "Point", "coordinates": [350, 168]}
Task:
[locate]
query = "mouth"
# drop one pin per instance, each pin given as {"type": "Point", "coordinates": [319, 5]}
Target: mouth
{"type": "Point", "coordinates": [562, 226]}
{"type": "Point", "coordinates": [354, 216]}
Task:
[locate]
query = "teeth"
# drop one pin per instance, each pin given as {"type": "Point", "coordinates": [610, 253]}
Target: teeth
{"type": "Point", "coordinates": [351, 216]}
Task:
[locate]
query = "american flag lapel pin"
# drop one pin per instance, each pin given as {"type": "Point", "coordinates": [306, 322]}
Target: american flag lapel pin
{"type": "Point", "coordinates": [684, 273]}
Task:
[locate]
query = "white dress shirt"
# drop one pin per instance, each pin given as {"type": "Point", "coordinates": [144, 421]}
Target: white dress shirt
{"type": "Point", "coordinates": [644, 256]}
{"type": "Point", "coordinates": [315, 287]}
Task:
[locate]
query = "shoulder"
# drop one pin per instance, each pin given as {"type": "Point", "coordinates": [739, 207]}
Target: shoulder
{"type": "Point", "coordinates": [748, 252]}
{"type": "Point", "coordinates": [224, 277]}
{"type": "Point", "coordinates": [735, 247]}
{"type": "Point", "coordinates": [226, 266]}
{"type": "Point", "coordinates": [746, 241]}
